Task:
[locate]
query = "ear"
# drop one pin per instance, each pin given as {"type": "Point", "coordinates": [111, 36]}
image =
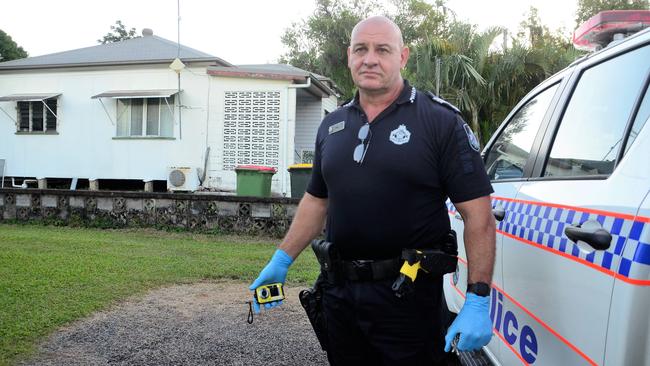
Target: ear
{"type": "Point", "coordinates": [404, 55]}
{"type": "Point", "coordinates": [348, 52]}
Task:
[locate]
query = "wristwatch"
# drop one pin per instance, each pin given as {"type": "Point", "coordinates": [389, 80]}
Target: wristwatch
{"type": "Point", "coordinates": [479, 288]}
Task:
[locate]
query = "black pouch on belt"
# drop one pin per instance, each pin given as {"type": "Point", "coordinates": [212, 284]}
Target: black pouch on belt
{"type": "Point", "coordinates": [434, 262]}
{"type": "Point", "coordinates": [329, 260]}
{"type": "Point", "coordinates": [442, 260]}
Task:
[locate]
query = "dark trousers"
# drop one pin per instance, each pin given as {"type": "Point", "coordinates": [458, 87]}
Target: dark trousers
{"type": "Point", "coordinates": [368, 325]}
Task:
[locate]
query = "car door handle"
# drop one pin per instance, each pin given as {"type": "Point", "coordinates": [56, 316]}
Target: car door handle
{"type": "Point", "coordinates": [499, 213]}
{"type": "Point", "coordinates": [591, 233]}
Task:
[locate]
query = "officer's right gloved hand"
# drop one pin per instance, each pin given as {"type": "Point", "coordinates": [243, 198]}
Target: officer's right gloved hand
{"type": "Point", "coordinates": [274, 272]}
{"type": "Point", "coordinates": [472, 323]}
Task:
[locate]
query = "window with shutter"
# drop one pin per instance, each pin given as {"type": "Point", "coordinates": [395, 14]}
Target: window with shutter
{"type": "Point", "coordinates": [37, 116]}
{"type": "Point", "coordinates": [23, 116]}
{"type": "Point", "coordinates": [136, 116]}
{"type": "Point", "coordinates": [153, 117]}
{"type": "Point", "coordinates": [50, 113]}
{"type": "Point", "coordinates": [167, 117]}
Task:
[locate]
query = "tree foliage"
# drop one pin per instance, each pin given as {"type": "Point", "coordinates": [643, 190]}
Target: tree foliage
{"type": "Point", "coordinates": [484, 73]}
{"type": "Point", "coordinates": [589, 8]}
{"type": "Point", "coordinates": [319, 43]}
{"type": "Point", "coordinates": [118, 33]}
{"type": "Point", "coordinates": [9, 50]}
{"type": "Point", "coordinates": [456, 67]}
{"type": "Point", "coordinates": [420, 21]}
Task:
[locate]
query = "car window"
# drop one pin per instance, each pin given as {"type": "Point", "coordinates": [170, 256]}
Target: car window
{"type": "Point", "coordinates": [592, 128]}
{"type": "Point", "coordinates": [640, 120]}
{"type": "Point", "coordinates": [509, 153]}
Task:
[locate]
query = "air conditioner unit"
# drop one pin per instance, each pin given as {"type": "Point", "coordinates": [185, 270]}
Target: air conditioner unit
{"type": "Point", "coordinates": [182, 179]}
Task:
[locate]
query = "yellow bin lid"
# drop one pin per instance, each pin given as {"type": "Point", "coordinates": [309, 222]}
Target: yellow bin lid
{"type": "Point", "coordinates": [300, 166]}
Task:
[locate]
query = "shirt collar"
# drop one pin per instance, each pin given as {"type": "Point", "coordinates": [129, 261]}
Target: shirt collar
{"type": "Point", "coordinates": [408, 94]}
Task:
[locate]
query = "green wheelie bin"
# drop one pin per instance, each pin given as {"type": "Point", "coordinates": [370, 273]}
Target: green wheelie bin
{"type": "Point", "coordinates": [254, 180]}
{"type": "Point", "coordinates": [300, 175]}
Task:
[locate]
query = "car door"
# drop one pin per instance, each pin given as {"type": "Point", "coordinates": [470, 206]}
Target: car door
{"type": "Point", "coordinates": [629, 334]}
{"type": "Point", "coordinates": [508, 159]}
{"type": "Point", "coordinates": [571, 220]}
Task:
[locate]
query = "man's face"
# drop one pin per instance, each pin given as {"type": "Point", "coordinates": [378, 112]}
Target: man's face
{"type": "Point", "coordinates": [376, 56]}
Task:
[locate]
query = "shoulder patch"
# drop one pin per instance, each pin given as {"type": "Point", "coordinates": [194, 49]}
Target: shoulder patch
{"type": "Point", "coordinates": [443, 102]}
{"type": "Point", "coordinates": [471, 138]}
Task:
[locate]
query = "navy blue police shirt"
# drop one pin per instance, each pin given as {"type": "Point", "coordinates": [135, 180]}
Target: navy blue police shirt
{"type": "Point", "coordinates": [419, 152]}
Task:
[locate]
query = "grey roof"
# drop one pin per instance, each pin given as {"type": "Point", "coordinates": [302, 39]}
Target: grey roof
{"type": "Point", "coordinates": [141, 50]}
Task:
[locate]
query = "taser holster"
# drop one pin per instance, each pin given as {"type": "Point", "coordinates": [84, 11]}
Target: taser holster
{"type": "Point", "coordinates": [436, 262]}
{"type": "Point", "coordinates": [312, 298]}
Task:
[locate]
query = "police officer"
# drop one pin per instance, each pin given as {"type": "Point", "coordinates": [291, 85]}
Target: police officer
{"type": "Point", "coordinates": [384, 166]}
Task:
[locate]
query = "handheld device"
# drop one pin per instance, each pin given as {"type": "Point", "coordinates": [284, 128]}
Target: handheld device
{"type": "Point", "coordinates": [269, 293]}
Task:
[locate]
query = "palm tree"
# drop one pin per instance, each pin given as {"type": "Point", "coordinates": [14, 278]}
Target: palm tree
{"type": "Point", "coordinates": [454, 68]}
{"type": "Point", "coordinates": [518, 69]}
{"type": "Point", "coordinates": [485, 81]}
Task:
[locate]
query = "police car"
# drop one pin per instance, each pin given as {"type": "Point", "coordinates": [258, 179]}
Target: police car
{"type": "Point", "coordinates": [570, 167]}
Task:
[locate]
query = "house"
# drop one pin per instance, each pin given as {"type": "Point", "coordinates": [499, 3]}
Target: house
{"type": "Point", "coordinates": [130, 112]}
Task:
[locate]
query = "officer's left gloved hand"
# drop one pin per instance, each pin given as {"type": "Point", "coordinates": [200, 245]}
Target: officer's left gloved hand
{"type": "Point", "coordinates": [472, 323]}
{"type": "Point", "coordinates": [274, 272]}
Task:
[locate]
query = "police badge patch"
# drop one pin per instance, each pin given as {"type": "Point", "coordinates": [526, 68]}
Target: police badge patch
{"type": "Point", "coordinates": [400, 135]}
{"type": "Point", "coordinates": [472, 140]}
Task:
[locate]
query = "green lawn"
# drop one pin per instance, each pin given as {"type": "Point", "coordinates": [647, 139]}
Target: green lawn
{"type": "Point", "coordinates": [50, 276]}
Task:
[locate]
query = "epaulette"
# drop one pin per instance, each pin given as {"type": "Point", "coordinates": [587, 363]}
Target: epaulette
{"type": "Point", "coordinates": [443, 102]}
{"type": "Point", "coordinates": [347, 103]}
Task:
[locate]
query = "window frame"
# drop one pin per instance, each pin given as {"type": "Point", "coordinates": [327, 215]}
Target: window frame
{"type": "Point", "coordinates": [560, 79]}
{"type": "Point", "coordinates": [45, 122]}
{"type": "Point", "coordinates": [563, 103]}
{"type": "Point", "coordinates": [645, 92]}
{"type": "Point", "coordinates": [163, 102]}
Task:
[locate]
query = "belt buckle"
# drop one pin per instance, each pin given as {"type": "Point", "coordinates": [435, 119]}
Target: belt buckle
{"type": "Point", "coordinates": [363, 269]}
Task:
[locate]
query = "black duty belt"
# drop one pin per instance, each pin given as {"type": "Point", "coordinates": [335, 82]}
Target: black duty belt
{"type": "Point", "coordinates": [371, 270]}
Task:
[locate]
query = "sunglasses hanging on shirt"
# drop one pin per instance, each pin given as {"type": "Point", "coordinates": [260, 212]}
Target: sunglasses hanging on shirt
{"type": "Point", "coordinates": [361, 149]}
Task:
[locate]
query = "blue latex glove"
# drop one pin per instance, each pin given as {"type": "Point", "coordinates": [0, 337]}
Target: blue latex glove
{"type": "Point", "coordinates": [473, 323]}
{"type": "Point", "coordinates": [274, 272]}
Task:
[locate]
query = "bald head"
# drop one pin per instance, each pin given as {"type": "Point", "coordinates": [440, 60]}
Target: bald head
{"type": "Point", "coordinates": [378, 24]}
{"type": "Point", "coordinates": [375, 57]}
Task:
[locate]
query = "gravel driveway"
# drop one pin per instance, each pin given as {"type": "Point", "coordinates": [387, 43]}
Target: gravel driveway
{"type": "Point", "coordinates": [198, 324]}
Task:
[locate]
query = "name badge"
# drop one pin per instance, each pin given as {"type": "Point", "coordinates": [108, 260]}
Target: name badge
{"type": "Point", "coordinates": [336, 127]}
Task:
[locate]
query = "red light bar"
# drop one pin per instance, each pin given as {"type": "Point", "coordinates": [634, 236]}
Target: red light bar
{"type": "Point", "coordinates": [599, 30]}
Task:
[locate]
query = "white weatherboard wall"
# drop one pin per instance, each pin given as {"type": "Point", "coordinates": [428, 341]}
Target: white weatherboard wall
{"type": "Point", "coordinates": [310, 112]}
{"type": "Point", "coordinates": [308, 117]}
{"type": "Point", "coordinates": [329, 104]}
{"type": "Point", "coordinates": [84, 146]}
{"type": "Point", "coordinates": [227, 178]}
